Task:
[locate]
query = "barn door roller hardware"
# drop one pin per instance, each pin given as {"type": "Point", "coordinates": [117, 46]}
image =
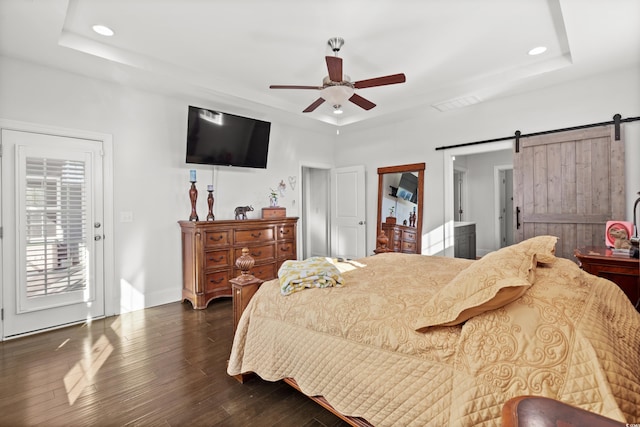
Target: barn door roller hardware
{"type": "Point", "coordinates": [617, 120]}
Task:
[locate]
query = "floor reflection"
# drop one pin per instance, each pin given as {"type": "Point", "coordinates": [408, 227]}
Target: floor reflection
{"type": "Point", "coordinates": [82, 373]}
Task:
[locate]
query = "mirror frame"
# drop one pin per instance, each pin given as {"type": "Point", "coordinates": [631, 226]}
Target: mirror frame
{"type": "Point", "coordinates": [413, 167]}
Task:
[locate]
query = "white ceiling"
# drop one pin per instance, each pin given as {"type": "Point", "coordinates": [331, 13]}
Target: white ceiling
{"type": "Point", "coordinates": [228, 52]}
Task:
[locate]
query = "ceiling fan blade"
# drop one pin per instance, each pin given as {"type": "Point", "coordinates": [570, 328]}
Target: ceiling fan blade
{"type": "Point", "coordinates": [313, 106]}
{"type": "Point", "coordinates": [294, 87]}
{"type": "Point", "coordinates": [381, 81]}
{"type": "Point", "coordinates": [334, 65]}
{"type": "Point", "coordinates": [361, 102]}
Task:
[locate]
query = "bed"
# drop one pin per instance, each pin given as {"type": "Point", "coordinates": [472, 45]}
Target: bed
{"type": "Point", "coordinates": [418, 340]}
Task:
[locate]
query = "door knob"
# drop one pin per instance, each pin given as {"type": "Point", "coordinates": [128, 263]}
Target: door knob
{"type": "Point", "coordinates": [361, 223]}
{"type": "Point", "coordinates": [96, 238]}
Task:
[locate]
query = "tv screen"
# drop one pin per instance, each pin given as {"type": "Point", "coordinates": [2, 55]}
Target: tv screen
{"type": "Point", "coordinates": [216, 138]}
{"type": "Point", "coordinates": [408, 187]}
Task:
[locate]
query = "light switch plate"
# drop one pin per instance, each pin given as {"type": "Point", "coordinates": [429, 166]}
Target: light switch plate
{"type": "Point", "coordinates": [126, 216]}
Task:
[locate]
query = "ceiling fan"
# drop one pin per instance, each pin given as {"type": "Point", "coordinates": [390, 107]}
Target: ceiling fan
{"type": "Point", "coordinates": [337, 88]}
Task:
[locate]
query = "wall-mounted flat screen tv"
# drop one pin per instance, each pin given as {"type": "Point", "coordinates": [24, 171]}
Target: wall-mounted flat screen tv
{"type": "Point", "coordinates": [216, 138]}
{"type": "Point", "coordinates": [408, 187]}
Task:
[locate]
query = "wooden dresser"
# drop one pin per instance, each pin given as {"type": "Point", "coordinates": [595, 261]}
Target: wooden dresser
{"type": "Point", "coordinates": [622, 270]}
{"type": "Point", "coordinates": [401, 238]}
{"type": "Point", "coordinates": [210, 249]}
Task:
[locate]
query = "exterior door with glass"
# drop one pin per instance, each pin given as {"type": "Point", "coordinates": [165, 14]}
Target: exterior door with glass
{"type": "Point", "coordinates": [52, 247]}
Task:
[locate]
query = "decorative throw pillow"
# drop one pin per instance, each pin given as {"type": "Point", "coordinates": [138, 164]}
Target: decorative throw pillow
{"type": "Point", "coordinates": [544, 247]}
{"type": "Point", "coordinates": [489, 283]}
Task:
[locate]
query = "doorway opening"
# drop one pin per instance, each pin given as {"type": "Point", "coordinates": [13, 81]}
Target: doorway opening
{"type": "Point", "coordinates": [478, 160]}
{"type": "Point", "coordinates": [316, 214]}
{"type": "Point", "coordinates": [504, 205]}
{"type": "Point", "coordinates": [459, 194]}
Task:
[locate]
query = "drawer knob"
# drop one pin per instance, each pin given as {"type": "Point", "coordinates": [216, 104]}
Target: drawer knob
{"type": "Point", "coordinates": [216, 280]}
{"type": "Point", "coordinates": [216, 239]}
{"type": "Point", "coordinates": [255, 236]}
{"type": "Point", "coordinates": [256, 253]}
{"type": "Point", "coordinates": [220, 258]}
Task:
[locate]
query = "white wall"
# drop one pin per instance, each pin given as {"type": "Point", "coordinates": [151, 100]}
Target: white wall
{"type": "Point", "coordinates": [151, 179]}
{"type": "Point", "coordinates": [590, 100]}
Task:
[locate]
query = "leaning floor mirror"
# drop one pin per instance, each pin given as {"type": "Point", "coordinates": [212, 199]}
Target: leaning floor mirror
{"type": "Point", "coordinates": [400, 213]}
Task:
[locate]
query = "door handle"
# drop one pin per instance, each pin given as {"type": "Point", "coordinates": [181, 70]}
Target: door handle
{"type": "Point", "coordinates": [97, 237]}
{"type": "Point", "coordinates": [361, 223]}
{"type": "Point", "coordinates": [517, 217]}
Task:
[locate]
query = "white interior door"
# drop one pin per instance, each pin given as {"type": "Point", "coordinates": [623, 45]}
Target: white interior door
{"type": "Point", "coordinates": [52, 207]}
{"type": "Point", "coordinates": [348, 219]}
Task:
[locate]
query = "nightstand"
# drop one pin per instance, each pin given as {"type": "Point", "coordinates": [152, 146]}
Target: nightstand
{"type": "Point", "coordinates": [622, 270]}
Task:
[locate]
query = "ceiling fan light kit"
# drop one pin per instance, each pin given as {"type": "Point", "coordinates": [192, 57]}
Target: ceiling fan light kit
{"type": "Point", "coordinates": [337, 87]}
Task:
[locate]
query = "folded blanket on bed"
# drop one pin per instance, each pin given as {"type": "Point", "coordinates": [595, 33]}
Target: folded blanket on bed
{"type": "Point", "coordinates": [314, 272]}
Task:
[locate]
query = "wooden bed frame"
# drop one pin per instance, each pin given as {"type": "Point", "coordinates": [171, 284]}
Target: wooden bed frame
{"type": "Point", "coordinates": [352, 421]}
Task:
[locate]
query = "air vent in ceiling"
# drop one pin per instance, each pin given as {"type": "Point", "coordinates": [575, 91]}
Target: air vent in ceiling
{"type": "Point", "coordinates": [452, 104]}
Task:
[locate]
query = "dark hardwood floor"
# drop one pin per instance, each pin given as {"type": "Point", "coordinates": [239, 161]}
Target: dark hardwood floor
{"type": "Point", "coordinates": [163, 366]}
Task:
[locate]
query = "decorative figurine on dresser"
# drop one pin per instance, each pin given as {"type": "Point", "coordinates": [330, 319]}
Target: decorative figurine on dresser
{"type": "Point", "coordinates": [210, 250]}
{"type": "Point", "coordinates": [241, 212]}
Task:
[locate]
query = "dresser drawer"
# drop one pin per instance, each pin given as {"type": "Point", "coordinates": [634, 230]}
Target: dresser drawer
{"type": "Point", "coordinates": [259, 253]}
{"type": "Point", "coordinates": [395, 234]}
{"type": "Point", "coordinates": [286, 250]}
{"type": "Point", "coordinates": [409, 236]}
{"type": "Point", "coordinates": [409, 247]}
{"type": "Point", "coordinates": [214, 259]}
{"type": "Point", "coordinates": [216, 281]}
{"type": "Point", "coordinates": [286, 232]}
{"type": "Point", "coordinates": [254, 235]}
{"type": "Point", "coordinates": [214, 238]}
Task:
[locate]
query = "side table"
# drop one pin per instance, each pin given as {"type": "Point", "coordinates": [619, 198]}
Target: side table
{"type": "Point", "coordinates": [624, 271]}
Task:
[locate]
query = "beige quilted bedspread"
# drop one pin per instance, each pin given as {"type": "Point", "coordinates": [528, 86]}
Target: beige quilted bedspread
{"type": "Point", "coordinates": [572, 336]}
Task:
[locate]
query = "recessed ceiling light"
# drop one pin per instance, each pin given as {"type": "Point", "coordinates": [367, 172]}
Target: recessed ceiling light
{"type": "Point", "coordinates": [103, 30]}
{"type": "Point", "coordinates": [537, 50]}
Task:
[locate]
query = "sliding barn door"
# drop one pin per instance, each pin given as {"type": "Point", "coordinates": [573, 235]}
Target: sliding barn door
{"type": "Point", "coordinates": [569, 184]}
